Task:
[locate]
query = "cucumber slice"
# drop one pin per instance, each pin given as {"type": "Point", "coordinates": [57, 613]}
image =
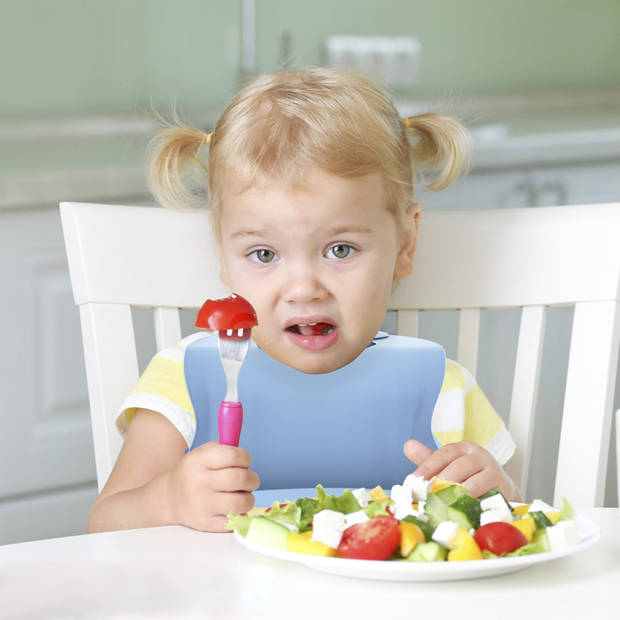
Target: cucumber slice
{"type": "Point", "coordinates": [540, 519]}
{"type": "Point", "coordinates": [451, 493]}
{"type": "Point", "coordinates": [428, 552]}
{"type": "Point", "coordinates": [465, 511]}
{"type": "Point", "coordinates": [540, 536]}
{"type": "Point", "coordinates": [268, 533]}
{"type": "Point", "coordinates": [436, 510]}
{"type": "Point", "coordinates": [436, 506]}
{"type": "Point", "coordinates": [425, 526]}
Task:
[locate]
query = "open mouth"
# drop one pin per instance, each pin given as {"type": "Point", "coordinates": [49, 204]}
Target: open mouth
{"type": "Point", "coordinates": [311, 329]}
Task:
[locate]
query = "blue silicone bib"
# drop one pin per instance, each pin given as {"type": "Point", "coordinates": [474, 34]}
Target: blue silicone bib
{"type": "Point", "coordinates": [341, 429]}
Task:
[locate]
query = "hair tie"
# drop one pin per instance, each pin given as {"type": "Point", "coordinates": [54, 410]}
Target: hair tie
{"type": "Point", "coordinates": [207, 139]}
{"type": "Point", "coordinates": [406, 122]}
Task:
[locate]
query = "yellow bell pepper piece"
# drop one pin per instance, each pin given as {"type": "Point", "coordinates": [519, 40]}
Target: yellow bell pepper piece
{"type": "Point", "coordinates": [301, 543]}
{"type": "Point", "coordinates": [439, 484]}
{"type": "Point", "coordinates": [520, 510]}
{"type": "Point", "coordinates": [554, 517]}
{"type": "Point", "coordinates": [410, 536]}
{"type": "Point", "coordinates": [526, 526]}
{"type": "Point", "coordinates": [378, 494]}
{"type": "Point", "coordinates": [464, 547]}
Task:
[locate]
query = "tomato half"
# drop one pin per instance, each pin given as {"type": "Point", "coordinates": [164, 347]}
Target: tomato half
{"type": "Point", "coordinates": [375, 539]}
{"type": "Point", "coordinates": [234, 312]}
{"type": "Point", "coordinates": [499, 537]}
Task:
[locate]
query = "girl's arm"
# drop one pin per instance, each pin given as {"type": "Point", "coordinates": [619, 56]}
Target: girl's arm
{"type": "Point", "coordinates": [155, 483]}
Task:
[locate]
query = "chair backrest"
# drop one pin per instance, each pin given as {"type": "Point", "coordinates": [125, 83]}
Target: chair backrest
{"type": "Point", "coordinates": [123, 257]}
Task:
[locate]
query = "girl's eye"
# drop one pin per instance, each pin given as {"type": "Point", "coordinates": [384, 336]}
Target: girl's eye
{"type": "Point", "coordinates": [340, 250]}
{"type": "Point", "coordinates": [263, 255]}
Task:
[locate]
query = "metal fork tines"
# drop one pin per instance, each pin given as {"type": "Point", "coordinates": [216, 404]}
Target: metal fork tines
{"type": "Point", "coordinates": [232, 355]}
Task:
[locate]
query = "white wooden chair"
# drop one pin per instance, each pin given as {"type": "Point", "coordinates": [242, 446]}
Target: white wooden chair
{"type": "Point", "coordinates": [618, 455]}
{"type": "Point", "coordinates": [122, 257]}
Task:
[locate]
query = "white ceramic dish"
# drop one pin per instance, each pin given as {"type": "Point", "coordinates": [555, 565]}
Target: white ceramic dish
{"type": "Point", "coordinates": [424, 571]}
{"type": "Point", "coordinates": [428, 571]}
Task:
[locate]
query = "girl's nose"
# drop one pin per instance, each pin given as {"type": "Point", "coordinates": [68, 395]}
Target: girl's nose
{"type": "Point", "coordinates": [304, 284]}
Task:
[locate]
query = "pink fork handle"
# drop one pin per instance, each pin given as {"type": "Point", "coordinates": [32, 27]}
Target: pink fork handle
{"type": "Point", "coordinates": [229, 421]}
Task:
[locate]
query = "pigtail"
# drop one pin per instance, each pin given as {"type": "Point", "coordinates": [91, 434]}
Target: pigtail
{"type": "Point", "coordinates": [176, 175]}
{"type": "Point", "coordinates": [442, 143]}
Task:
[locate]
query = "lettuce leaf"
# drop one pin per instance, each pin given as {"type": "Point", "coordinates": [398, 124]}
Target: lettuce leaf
{"type": "Point", "coordinates": [376, 509]}
{"type": "Point", "coordinates": [566, 512]}
{"type": "Point", "coordinates": [308, 507]}
{"type": "Point", "coordinates": [289, 514]}
{"type": "Point", "coordinates": [346, 503]}
{"type": "Point", "coordinates": [529, 549]}
{"type": "Point", "coordinates": [239, 523]}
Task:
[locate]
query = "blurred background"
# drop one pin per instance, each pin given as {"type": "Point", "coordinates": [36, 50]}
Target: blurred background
{"type": "Point", "coordinates": [538, 84]}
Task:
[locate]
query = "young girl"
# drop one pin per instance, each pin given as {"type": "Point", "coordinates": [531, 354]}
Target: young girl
{"type": "Point", "coordinates": [310, 179]}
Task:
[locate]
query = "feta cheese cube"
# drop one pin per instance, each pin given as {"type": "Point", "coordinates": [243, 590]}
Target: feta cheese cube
{"type": "Point", "coordinates": [539, 506]}
{"type": "Point", "coordinates": [327, 527]}
{"type": "Point", "coordinates": [353, 518]}
{"type": "Point", "coordinates": [362, 496]}
{"type": "Point", "coordinates": [419, 486]}
{"type": "Point", "coordinates": [495, 514]}
{"type": "Point", "coordinates": [495, 501]}
{"type": "Point", "coordinates": [562, 535]}
{"type": "Point", "coordinates": [401, 511]}
{"type": "Point", "coordinates": [445, 532]}
{"type": "Point", "coordinates": [401, 494]}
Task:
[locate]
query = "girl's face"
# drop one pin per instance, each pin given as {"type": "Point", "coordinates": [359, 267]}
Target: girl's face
{"type": "Point", "coordinates": [317, 261]}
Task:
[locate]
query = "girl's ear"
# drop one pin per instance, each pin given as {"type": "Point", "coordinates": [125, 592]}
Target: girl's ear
{"type": "Point", "coordinates": [404, 260]}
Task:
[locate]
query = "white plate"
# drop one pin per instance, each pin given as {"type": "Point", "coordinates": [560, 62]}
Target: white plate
{"type": "Point", "coordinates": [425, 571]}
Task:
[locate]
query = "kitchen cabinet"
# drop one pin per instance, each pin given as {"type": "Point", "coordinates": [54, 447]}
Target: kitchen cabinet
{"type": "Point", "coordinates": [536, 186]}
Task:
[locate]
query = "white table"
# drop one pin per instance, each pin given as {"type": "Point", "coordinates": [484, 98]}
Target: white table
{"type": "Point", "coordinates": [175, 572]}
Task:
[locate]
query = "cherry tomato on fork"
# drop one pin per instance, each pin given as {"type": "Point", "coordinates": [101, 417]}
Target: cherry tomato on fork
{"type": "Point", "coordinates": [234, 312]}
{"type": "Point", "coordinates": [499, 537]}
{"type": "Point", "coordinates": [375, 539]}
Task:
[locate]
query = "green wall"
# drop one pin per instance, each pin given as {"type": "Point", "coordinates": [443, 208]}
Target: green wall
{"type": "Point", "coordinates": [473, 46]}
{"type": "Point", "coordinates": [67, 56]}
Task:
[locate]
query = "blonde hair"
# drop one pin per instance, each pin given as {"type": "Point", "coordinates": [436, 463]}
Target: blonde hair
{"type": "Point", "coordinates": [285, 121]}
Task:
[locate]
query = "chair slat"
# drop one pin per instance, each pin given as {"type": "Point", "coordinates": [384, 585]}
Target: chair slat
{"type": "Point", "coordinates": [407, 323]}
{"type": "Point", "coordinates": [167, 327]}
{"type": "Point", "coordinates": [524, 392]}
{"type": "Point", "coordinates": [174, 264]}
{"type": "Point", "coordinates": [510, 258]}
{"type": "Point", "coordinates": [588, 401]}
{"type": "Point", "coordinates": [112, 372]}
{"type": "Point", "coordinates": [469, 330]}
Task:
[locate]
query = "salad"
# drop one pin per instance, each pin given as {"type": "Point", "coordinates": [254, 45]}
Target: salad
{"type": "Point", "coordinates": [419, 521]}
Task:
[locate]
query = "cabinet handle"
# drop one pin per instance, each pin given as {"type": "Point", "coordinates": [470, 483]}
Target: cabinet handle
{"type": "Point", "coordinates": [531, 195]}
{"type": "Point", "coordinates": [558, 188]}
{"type": "Point", "coordinates": [534, 192]}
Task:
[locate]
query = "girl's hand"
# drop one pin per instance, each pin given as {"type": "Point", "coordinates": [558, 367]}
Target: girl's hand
{"type": "Point", "coordinates": [209, 482]}
{"type": "Point", "coordinates": [464, 462]}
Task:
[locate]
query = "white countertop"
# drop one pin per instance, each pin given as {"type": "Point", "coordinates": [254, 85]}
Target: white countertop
{"type": "Point", "coordinates": [175, 572]}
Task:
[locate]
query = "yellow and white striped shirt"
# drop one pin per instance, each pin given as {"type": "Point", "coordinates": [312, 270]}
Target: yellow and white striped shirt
{"type": "Point", "coordinates": [462, 411]}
